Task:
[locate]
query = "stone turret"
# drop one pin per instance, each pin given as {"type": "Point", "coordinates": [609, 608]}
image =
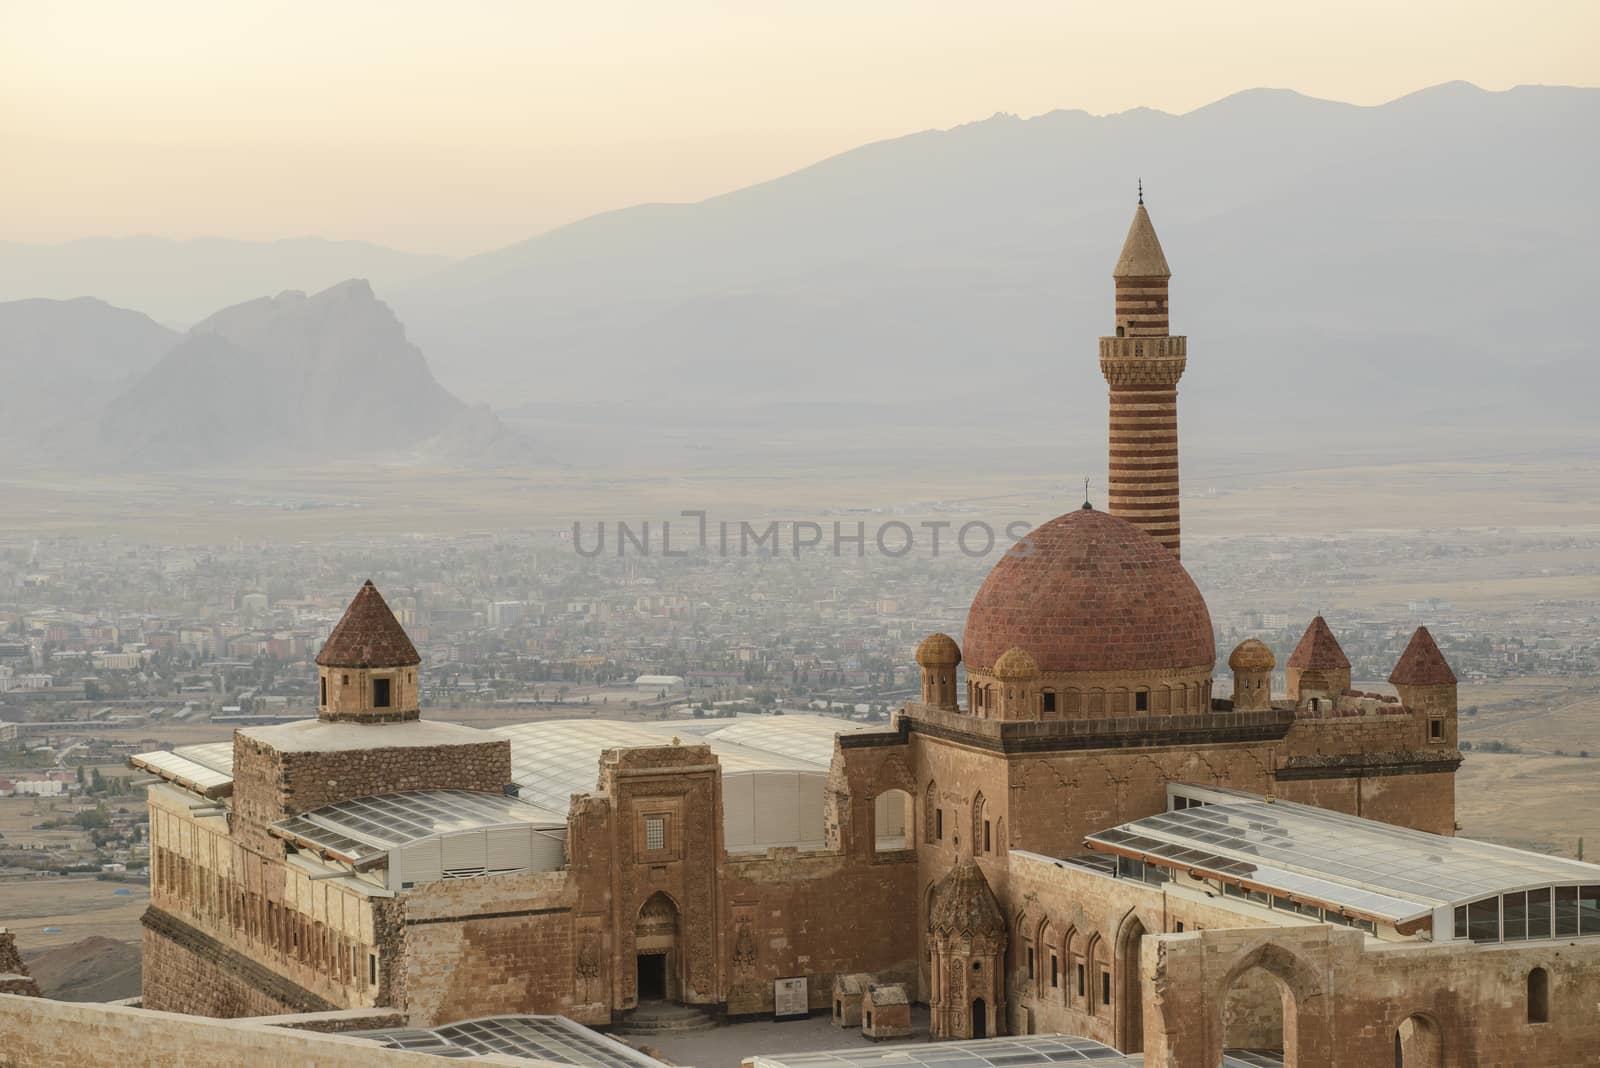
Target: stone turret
{"type": "Point", "coordinates": [1018, 675]}
{"type": "Point", "coordinates": [967, 943]}
{"type": "Point", "coordinates": [1317, 670]}
{"type": "Point", "coordinates": [368, 668]}
{"type": "Point", "coordinates": [1142, 363]}
{"type": "Point", "coordinates": [1252, 663]}
{"type": "Point", "coordinates": [938, 656]}
{"type": "Point", "coordinates": [1427, 686]}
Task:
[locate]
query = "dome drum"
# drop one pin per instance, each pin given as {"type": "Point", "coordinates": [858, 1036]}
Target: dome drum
{"type": "Point", "coordinates": [1090, 695]}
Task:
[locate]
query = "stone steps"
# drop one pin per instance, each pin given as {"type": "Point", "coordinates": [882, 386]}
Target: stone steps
{"type": "Point", "coordinates": [657, 1017]}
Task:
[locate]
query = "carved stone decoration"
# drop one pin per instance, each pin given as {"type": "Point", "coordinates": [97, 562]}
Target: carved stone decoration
{"type": "Point", "coordinates": [744, 946]}
{"type": "Point", "coordinates": [588, 965]}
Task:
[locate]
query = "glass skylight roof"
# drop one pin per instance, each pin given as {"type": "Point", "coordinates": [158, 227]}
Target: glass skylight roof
{"type": "Point", "coordinates": [367, 827]}
{"type": "Point", "coordinates": [183, 770]}
{"type": "Point", "coordinates": [545, 1038]}
{"type": "Point", "coordinates": [1012, 1051]}
{"type": "Point", "coordinates": [218, 756]}
{"type": "Point", "coordinates": [552, 760]}
{"type": "Point", "coordinates": [808, 738]}
{"type": "Point", "coordinates": [1389, 873]}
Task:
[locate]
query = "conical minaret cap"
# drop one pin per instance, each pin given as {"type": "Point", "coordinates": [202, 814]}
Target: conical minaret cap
{"type": "Point", "coordinates": [1141, 252]}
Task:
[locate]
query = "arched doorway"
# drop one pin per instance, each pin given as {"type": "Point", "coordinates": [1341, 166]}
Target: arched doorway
{"type": "Point", "coordinates": [980, 1019]}
{"type": "Point", "coordinates": [655, 940]}
{"type": "Point", "coordinates": [1418, 1043]}
{"type": "Point", "coordinates": [1258, 1015]}
{"type": "Point", "coordinates": [1130, 1007]}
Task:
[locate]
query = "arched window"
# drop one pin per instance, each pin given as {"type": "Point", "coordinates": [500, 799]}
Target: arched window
{"type": "Point", "coordinates": [980, 824]}
{"type": "Point", "coordinates": [932, 825]}
{"type": "Point", "coordinates": [893, 821]}
{"type": "Point", "coordinates": [1538, 996]}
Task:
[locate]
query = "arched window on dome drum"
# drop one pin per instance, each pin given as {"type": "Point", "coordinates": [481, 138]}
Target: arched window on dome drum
{"type": "Point", "coordinates": [1047, 704]}
{"type": "Point", "coordinates": [1073, 702]}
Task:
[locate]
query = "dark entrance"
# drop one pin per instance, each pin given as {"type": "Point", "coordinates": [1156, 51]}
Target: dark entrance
{"type": "Point", "coordinates": [652, 976]}
{"type": "Point", "coordinates": [980, 1019]}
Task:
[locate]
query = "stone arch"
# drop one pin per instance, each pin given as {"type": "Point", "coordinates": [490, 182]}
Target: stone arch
{"type": "Point", "coordinates": [1024, 966]}
{"type": "Point", "coordinates": [1128, 1011]}
{"type": "Point", "coordinates": [1049, 950]}
{"type": "Point", "coordinates": [980, 819]}
{"type": "Point", "coordinates": [1302, 1008]}
{"type": "Point", "coordinates": [893, 821]}
{"type": "Point", "coordinates": [1069, 963]}
{"type": "Point", "coordinates": [1095, 969]}
{"type": "Point", "coordinates": [1419, 1042]}
{"type": "Point", "coordinates": [1538, 996]}
{"type": "Point", "coordinates": [659, 964]}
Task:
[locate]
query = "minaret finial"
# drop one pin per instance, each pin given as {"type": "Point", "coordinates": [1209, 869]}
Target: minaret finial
{"type": "Point", "coordinates": [1141, 190]}
{"type": "Point", "coordinates": [1087, 506]}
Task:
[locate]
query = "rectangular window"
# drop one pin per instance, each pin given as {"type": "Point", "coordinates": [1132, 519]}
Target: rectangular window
{"type": "Point", "coordinates": [380, 693]}
{"type": "Point", "coordinates": [1539, 913]}
{"type": "Point", "coordinates": [1177, 928]}
{"type": "Point", "coordinates": [1049, 703]}
{"type": "Point", "coordinates": [1141, 701]}
{"type": "Point", "coordinates": [1436, 729]}
{"type": "Point", "coordinates": [1105, 988]}
{"type": "Point", "coordinates": [1514, 917]}
{"type": "Point", "coordinates": [1055, 973]}
{"type": "Point", "coordinates": [372, 968]}
{"type": "Point", "coordinates": [988, 845]}
{"type": "Point", "coordinates": [938, 824]}
{"type": "Point", "coordinates": [1081, 987]}
{"type": "Point", "coordinates": [1483, 920]}
{"type": "Point", "coordinates": [1566, 911]}
{"type": "Point", "coordinates": [1589, 910]}
{"type": "Point", "coordinates": [1030, 962]}
{"type": "Point", "coordinates": [655, 832]}
{"type": "Point", "coordinates": [324, 682]}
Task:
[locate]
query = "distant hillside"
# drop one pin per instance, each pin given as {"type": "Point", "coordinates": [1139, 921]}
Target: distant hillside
{"type": "Point", "coordinates": [1344, 273]}
{"type": "Point", "coordinates": [61, 360]}
{"type": "Point", "coordinates": [296, 379]}
{"type": "Point", "coordinates": [180, 282]}
{"type": "Point", "coordinates": [94, 969]}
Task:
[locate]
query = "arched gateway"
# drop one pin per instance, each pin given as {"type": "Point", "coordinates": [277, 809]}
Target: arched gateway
{"type": "Point", "coordinates": [655, 939]}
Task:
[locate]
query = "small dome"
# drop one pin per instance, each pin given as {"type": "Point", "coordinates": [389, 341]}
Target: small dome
{"type": "Point", "coordinates": [938, 650]}
{"type": "Point", "coordinates": [1015, 663]}
{"type": "Point", "coordinates": [963, 903]}
{"type": "Point", "coordinates": [1252, 654]}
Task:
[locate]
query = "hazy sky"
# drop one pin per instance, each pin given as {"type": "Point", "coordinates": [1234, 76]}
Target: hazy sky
{"type": "Point", "coordinates": [457, 126]}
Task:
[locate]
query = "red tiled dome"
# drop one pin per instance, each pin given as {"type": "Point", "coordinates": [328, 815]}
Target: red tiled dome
{"type": "Point", "coordinates": [1092, 593]}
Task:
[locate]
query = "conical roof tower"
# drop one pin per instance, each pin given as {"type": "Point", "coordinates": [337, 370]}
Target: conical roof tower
{"type": "Point", "coordinates": [368, 667]}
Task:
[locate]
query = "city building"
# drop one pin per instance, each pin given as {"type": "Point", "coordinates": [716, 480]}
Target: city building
{"type": "Point", "coordinates": [1066, 832]}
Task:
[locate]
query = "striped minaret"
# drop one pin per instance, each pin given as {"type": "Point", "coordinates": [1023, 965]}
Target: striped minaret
{"type": "Point", "coordinates": [1142, 364]}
